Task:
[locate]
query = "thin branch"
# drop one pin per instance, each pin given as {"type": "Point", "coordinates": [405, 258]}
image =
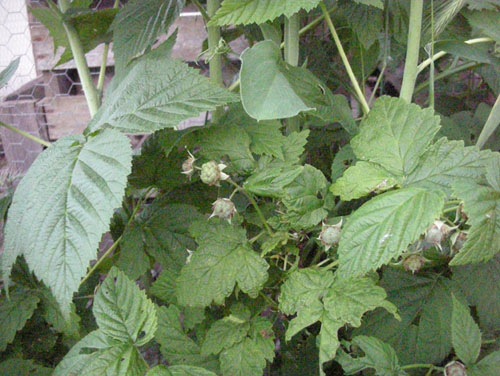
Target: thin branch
{"type": "Point", "coordinates": [26, 134]}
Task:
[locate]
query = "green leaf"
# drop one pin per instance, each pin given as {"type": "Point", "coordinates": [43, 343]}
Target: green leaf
{"type": "Point", "coordinates": [123, 312]}
{"type": "Point", "coordinates": [157, 93]}
{"type": "Point", "coordinates": [224, 334]}
{"type": "Point", "coordinates": [271, 181]}
{"type": "Point", "coordinates": [482, 205]}
{"type": "Point", "coordinates": [96, 355]}
{"type": "Point", "coordinates": [471, 279]}
{"type": "Point", "coordinates": [62, 207]}
{"type": "Point", "coordinates": [304, 198]}
{"type": "Point", "coordinates": [294, 146]}
{"type": "Point", "coordinates": [382, 228]}
{"type": "Point", "coordinates": [373, 3]}
{"type": "Point", "coordinates": [227, 140]}
{"type": "Point", "coordinates": [53, 315]}
{"type": "Point", "coordinates": [472, 52]}
{"type": "Point", "coordinates": [23, 367]}
{"type": "Point", "coordinates": [179, 371]}
{"type": "Point", "coordinates": [362, 179]}
{"type": "Point", "coordinates": [273, 89]}
{"type": "Point", "coordinates": [224, 257]}
{"type": "Point", "coordinates": [395, 134]}
{"type": "Point", "coordinates": [266, 139]}
{"type": "Point", "coordinates": [486, 21]}
{"type": "Point", "coordinates": [315, 295]}
{"type": "Point", "coordinates": [176, 346]}
{"type": "Point", "coordinates": [445, 163]}
{"type": "Point", "coordinates": [8, 72]}
{"type": "Point", "coordinates": [424, 303]}
{"type": "Point", "coordinates": [138, 26]}
{"type": "Point", "coordinates": [342, 160]}
{"type": "Point", "coordinates": [235, 12]}
{"type": "Point", "coordinates": [377, 355]}
{"type": "Point", "coordinates": [161, 232]}
{"type": "Point", "coordinates": [465, 334]}
{"type": "Point", "coordinates": [14, 313]}
{"type": "Point", "coordinates": [243, 359]}
{"type": "Point", "coordinates": [357, 15]}
{"type": "Point", "coordinates": [488, 366]}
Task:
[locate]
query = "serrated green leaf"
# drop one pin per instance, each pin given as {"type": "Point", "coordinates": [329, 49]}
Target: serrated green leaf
{"type": "Point", "coordinates": [266, 139]}
{"type": "Point", "coordinates": [382, 228]}
{"type": "Point", "coordinates": [357, 15]}
{"type": "Point", "coordinates": [180, 371]}
{"type": "Point", "coordinates": [294, 146]}
{"type": "Point", "coordinates": [223, 258]}
{"type": "Point", "coordinates": [303, 288]}
{"type": "Point", "coordinates": [271, 181]}
{"type": "Point", "coordinates": [486, 300]}
{"type": "Point", "coordinates": [14, 313]}
{"type": "Point", "coordinates": [164, 286]}
{"type": "Point", "coordinates": [53, 315]}
{"type": "Point", "coordinates": [123, 312]}
{"type": "Point", "coordinates": [23, 367]}
{"type": "Point", "coordinates": [176, 346]}
{"type": "Point", "coordinates": [395, 134]}
{"type": "Point", "coordinates": [273, 89]}
{"type": "Point", "coordinates": [482, 205]}
{"type": "Point", "coordinates": [445, 163]}
{"type": "Point", "coordinates": [235, 12]}
{"type": "Point", "coordinates": [8, 72]}
{"type": "Point", "coordinates": [243, 359]}
{"type": "Point", "coordinates": [157, 93]}
{"type": "Point", "coordinates": [138, 26]}
{"type": "Point", "coordinates": [97, 355]}
{"type": "Point", "coordinates": [227, 140]}
{"type": "Point", "coordinates": [373, 3]}
{"type": "Point", "coordinates": [377, 355]}
{"type": "Point", "coordinates": [224, 334]}
{"type": "Point", "coordinates": [362, 179]}
{"type": "Point", "coordinates": [304, 198]}
{"type": "Point", "coordinates": [424, 303]}
{"type": "Point", "coordinates": [162, 232]}
{"type": "Point", "coordinates": [488, 366]}
{"type": "Point", "coordinates": [465, 334]}
{"type": "Point", "coordinates": [62, 207]}
{"type": "Point", "coordinates": [342, 161]}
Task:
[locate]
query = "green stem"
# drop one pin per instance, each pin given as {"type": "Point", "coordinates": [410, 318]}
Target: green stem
{"type": "Point", "coordinates": [91, 94]}
{"type": "Point", "coordinates": [447, 73]}
{"type": "Point", "coordinates": [26, 134]}
{"type": "Point", "coordinates": [431, 73]}
{"type": "Point", "coordinates": [105, 53]}
{"type": "Point", "coordinates": [412, 50]}
{"type": "Point", "coordinates": [420, 365]}
{"type": "Point", "coordinates": [331, 266]}
{"type": "Point", "coordinates": [357, 89]}
{"type": "Point", "coordinates": [491, 124]}
{"type": "Point", "coordinates": [254, 204]}
{"type": "Point", "coordinates": [202, 10]}
{"type": "Point", "coordinates": [292, 51]}
{"type": "Point", "coordinates": [96, 266]}
{"type": "Point", "coordinates": [424, 64]}
{"type": "Point", "coordinates": [216, 61]}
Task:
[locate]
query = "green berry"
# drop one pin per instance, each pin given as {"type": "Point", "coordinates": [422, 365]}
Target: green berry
{"type": "Point", "coordinates": [223, 208]}
{"type": "Point", "coordinates": [413, 263]}
{"type": "Point", "coordinates": [330, 235]}
{"type": "Point", "coordinates": [211, 173]}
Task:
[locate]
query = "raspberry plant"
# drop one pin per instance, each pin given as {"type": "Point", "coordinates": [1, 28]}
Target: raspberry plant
{"type": "Point", "coordinates": [299, 232]}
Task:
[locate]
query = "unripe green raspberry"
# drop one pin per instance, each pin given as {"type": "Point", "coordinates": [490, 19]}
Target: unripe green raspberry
{"type": "Point", "coordinates": [455, 369]}
{"type": "Point", "coordinates": [435, 235]}
{"type": "Point", "coordinates": [211, 173]}
{"type": "Point", "coordinates": [223, 208]}
{"type": "Point", "coordinates": [414, 262]}
{"type": "Point", "coordinates": [330, 235]}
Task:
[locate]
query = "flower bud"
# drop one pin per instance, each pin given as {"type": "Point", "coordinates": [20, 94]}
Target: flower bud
{"type": "Point", "coordinates": [436, 234]}
{"type": "Point", "coordinates": [188, 166]}
{"type": "Point", "coordinates": [223, 208]}
{"type": "Point", "coordinates": [455, 369]}
{"type": "Point", "coordinates": [211, 173]}
{"type": "Point", "coordinates": [414, 262]}
{"type": "Point", "coordinates": [330, 235]}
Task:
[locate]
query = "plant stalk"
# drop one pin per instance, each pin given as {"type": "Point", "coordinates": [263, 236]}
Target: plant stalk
{"type": "Point", "coordinates": [491, 124]}
{"type": "Point", "coordinates": [447, 73]}
{"type": "Point", "coordinates": [26, 134]}
{"type": "Point", "coordinates": [412, 50]}
{"type": "Point", "coordinates": [216, 60]}
{"type": "Point", "coordinates": [357, 89]}
{"type": "Point", "coordinates": [91, 94]}
{"type": "Point", "coordinates": [291, 54]}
